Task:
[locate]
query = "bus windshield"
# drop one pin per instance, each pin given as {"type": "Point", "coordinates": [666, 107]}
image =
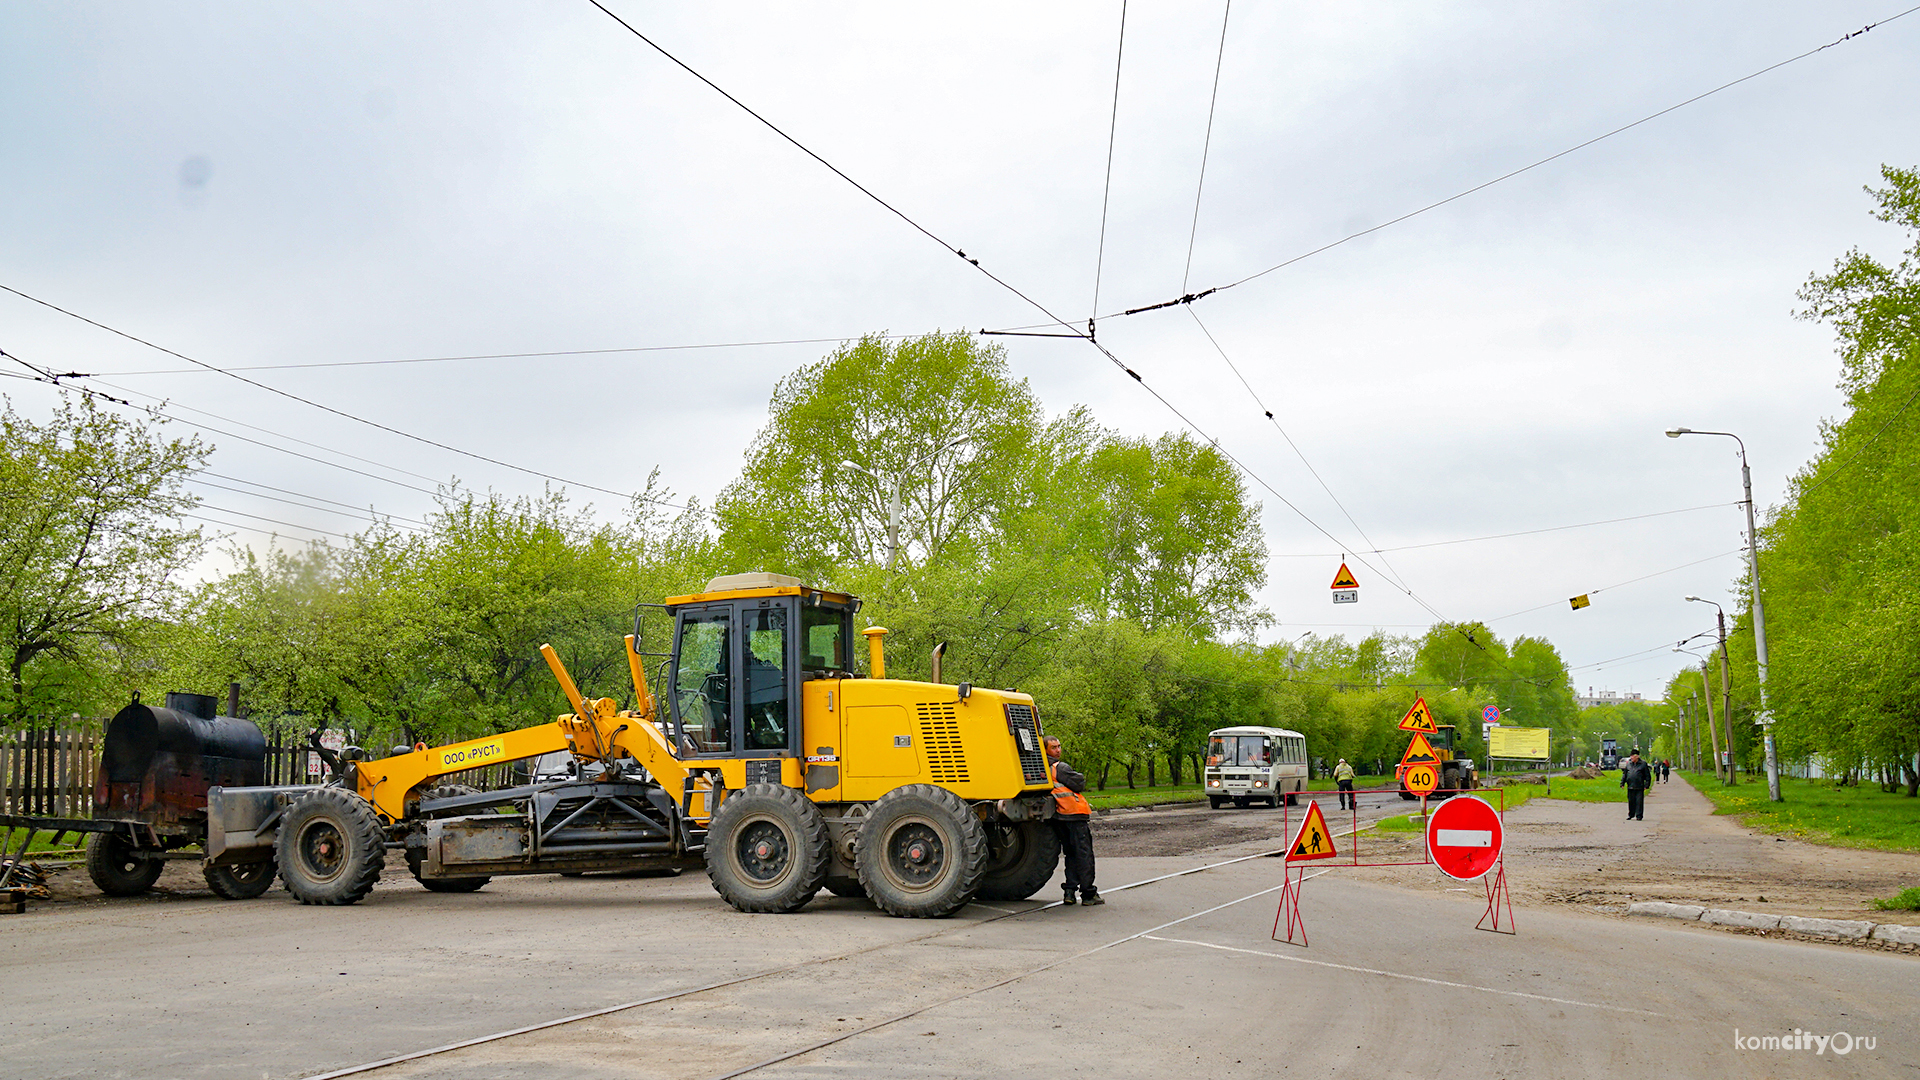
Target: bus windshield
{"type": "Point", "coordinates": [1237, 750]}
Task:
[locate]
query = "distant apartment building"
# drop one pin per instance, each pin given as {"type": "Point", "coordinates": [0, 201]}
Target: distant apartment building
{"type": "Point", "coordinates": [1604, 697]}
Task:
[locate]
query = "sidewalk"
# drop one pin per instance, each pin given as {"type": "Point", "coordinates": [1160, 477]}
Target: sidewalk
{"type": "Point", "coordinates": [1682, 853]}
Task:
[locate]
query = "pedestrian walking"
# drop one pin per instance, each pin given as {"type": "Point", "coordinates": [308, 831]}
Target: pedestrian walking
{"type": "Point", "coordinates": [1666, 770]}
{"type": "Point", "coordinates": [1071, 815]}
{"type": "Point", "coordinates": [1635, 775]}
{"type": "Point", "coordinates": [1343, 779]}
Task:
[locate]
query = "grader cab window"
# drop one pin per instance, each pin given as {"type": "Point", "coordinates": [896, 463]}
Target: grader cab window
{"type": "Point", "coordinates": [765, 636]}
{"type": "Point", "coordinates": [703, 690]}
{"type": "Point", "coordinates": [824, 637]}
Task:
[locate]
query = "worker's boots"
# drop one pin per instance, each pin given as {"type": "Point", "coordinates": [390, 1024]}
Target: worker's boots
{"type": "Point", "coordinates": [1068, 899]}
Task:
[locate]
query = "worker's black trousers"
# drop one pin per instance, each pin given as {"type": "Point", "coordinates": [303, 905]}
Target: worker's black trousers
{"type": "Point", "coordinates": [1076, 843]}
{"type": "Point", "coordinates": [1346, 795]}
{"type": "Point", "coordinates": [1636, 802]}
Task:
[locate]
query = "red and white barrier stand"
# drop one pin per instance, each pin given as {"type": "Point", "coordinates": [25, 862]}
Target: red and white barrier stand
{"type": "Point", "coordinates": [1313, 842]}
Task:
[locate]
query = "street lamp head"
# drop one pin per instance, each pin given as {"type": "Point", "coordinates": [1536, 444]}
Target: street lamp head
{"type": "Point", "coordinates": [1679, 431]}
{"type": "Point", "coordinates": [1694, 598]}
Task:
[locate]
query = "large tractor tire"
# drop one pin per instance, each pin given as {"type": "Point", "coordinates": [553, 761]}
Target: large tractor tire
{"type": "Point", "coordinates": [244, 881]}
{"type": "Point", "coordinates": [415, 859]}
{"type": "Point", "coordinates": [767, 849]}
{"type": "Point", "coordinates": [118, 868]}
{"type": "Point", "coordinates": [1021, 859]}
{"type": "Point", "coordinates": [922, 852]}
{"type": "Point", "coordinates": [331, 848]}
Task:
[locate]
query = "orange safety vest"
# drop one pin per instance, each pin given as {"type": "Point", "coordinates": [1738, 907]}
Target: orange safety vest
{"type": "Point", "coordinates": [1068, 801]}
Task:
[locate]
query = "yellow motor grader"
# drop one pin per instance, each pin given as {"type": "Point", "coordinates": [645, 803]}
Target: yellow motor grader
{"type": "Point", "coordinates": [770, 763]}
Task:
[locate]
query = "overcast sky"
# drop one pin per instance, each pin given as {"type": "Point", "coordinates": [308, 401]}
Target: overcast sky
{"type": "Point", "coordinates": [263, 185]}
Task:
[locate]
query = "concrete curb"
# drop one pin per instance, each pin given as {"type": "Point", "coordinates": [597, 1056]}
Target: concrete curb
{"type": "Point", "coordinates": [1836, 929]}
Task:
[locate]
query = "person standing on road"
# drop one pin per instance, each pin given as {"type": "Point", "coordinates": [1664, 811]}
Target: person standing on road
{"type": "Point", "coordinates": [1343, 778]}
{"type": "Point", "coordinates": [1071, 815]}
{"type": "Point", "coordinates": [1635, 775]}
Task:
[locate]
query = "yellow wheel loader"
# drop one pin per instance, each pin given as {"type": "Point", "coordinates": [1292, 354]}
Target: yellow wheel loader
{"type": "Point", "coordinates": [769, 762]}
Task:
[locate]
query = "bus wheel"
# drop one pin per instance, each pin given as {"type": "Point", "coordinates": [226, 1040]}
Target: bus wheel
{"type": "Point", "coordinates": [1293, 799]}
{"type": "Point", "coordinates": [1216, 801]}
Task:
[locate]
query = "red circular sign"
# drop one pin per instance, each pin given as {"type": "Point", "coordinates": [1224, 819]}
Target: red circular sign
{"type": "Point", "coordinates": [1464, 837]}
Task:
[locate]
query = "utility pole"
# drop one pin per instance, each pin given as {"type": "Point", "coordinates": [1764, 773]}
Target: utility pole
{"type": "Point", "coordinates": [1759, 610]}
{"type": "Point", "coordinates": [1713, 732]}
{"type": "Point", "coordinates": [899, 480]}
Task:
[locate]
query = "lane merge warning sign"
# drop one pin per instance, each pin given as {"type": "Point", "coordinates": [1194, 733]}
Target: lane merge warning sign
{"type": "Point", "coordinates": [1314, 840]}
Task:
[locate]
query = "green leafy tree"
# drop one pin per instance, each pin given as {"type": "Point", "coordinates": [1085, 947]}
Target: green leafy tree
{"type": "Point", "coordinates": [1840, 560]}
{"type": "Point", "coordinates": [90, 547]}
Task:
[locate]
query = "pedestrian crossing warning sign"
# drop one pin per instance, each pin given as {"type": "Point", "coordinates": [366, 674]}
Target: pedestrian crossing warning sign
{"type": "Point", "coordinates": [1314, 840]}
{"type": "Point", "coordinates": [1419, 752]}
{"type": "Point", "coordinates": [1344, 579]}
{"type": "Point", "coordinates": [1419, 718]}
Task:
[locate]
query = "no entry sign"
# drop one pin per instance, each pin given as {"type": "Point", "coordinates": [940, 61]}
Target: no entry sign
{"type": "Point", "coordinates": [1464, 837]}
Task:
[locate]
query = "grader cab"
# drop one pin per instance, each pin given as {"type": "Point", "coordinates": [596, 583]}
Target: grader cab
{"type": "Point", "coordinates": [764, 758]}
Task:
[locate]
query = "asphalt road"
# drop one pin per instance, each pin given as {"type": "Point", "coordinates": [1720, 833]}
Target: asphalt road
{"type": "Point", "coordinates": [1175, 977]}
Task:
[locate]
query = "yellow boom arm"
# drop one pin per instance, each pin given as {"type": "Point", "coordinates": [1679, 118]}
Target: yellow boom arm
{"type": "Point", "coordinates": [596, 731]}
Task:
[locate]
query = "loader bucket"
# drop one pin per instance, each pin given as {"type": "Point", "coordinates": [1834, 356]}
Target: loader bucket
{"type": "Point", "coordinates": [156, 764]}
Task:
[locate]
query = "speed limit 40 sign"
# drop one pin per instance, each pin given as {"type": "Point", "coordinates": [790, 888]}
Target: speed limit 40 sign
{"type": "Point", "coordinates": [1422, 779]}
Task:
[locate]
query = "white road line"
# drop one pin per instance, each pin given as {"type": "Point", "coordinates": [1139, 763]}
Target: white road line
{"type": "Point", "coordinates": [1400, 975]}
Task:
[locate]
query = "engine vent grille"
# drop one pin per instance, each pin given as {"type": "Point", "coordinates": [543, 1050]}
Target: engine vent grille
{"type": "Point", "coordinates": [1033, 756]}
{"type": "Point", "coordinates": [940, 741]}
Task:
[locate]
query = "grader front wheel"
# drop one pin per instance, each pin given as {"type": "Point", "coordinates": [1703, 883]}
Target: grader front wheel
{"type": "Point", "coordinates": [767, 849]}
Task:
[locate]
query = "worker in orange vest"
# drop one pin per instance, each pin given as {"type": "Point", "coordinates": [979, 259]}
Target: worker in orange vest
{"type": "Point", "coordinates": [1070, 819]}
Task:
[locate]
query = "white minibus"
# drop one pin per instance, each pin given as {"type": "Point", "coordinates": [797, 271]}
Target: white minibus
{"type": "Point", "coordinates": [1248, 763]}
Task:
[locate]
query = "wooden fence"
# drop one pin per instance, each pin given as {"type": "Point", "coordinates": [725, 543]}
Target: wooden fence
{"type": "Point", "coordinates": [48, 771]}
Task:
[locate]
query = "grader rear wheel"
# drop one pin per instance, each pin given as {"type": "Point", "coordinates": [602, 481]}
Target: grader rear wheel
{"type": "Point", "coordinates": [922, 852]}
{"type": "Point", "coordinates": [242, 882]}
{"type": "Point", "coordinates": [767, 849]}
{"type": "Point", "coordinates": [331, 848]}
{"type": "Point", "coordinates": [1021, 859]}
{"type": "Point", "coordinates": [118, 868]}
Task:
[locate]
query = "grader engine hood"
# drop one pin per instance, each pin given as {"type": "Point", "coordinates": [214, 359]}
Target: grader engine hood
{"type": "Point", "coordinates": [980, 746]}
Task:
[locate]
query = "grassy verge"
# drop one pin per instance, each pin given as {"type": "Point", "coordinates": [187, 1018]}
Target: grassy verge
{"type": "Point", "coordinates": [42, 841]}
{"type": "Point", "coordinates": [1117, 798]}
{"type": "Point", "coordinates": [1817, 811]}
{"type": "Point", "coordinates": [1602, 789]}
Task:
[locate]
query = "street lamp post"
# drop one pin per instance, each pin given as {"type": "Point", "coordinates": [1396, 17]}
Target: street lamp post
{"type": "Point", "coordinates": [1759, 611]}
{"type": "Point", "coordinates": [899, 480]}
{"type": "Point", "coordinates": [1713, 733]}
{"type": "Point", "coordinates": [1726, 689]}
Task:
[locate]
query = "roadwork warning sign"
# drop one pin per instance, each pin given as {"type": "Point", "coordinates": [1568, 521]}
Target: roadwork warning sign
{"type": "Point", "coordinates": [1419, 718]}
{"type": "Point", "coordinates": [1314, 840]}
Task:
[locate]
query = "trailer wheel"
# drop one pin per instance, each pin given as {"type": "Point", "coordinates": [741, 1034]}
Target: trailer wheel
{"type": "Point", "coordinates": [1021, 859]}
{"type": "Point", "coordinates": [922, 852]}
{"type": "Point", "coordinates": [118, 868]}
{"type": "Point", "coordinates": [415, 858]}
{"type": "Point", "coordinates": [848, 887]}
{"type": "Point", "coordinates": [767, 849]}
{"type": "Point", "coordinates": [242, 882]}
{"type": "Point", "coordinates": [331, 848]}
